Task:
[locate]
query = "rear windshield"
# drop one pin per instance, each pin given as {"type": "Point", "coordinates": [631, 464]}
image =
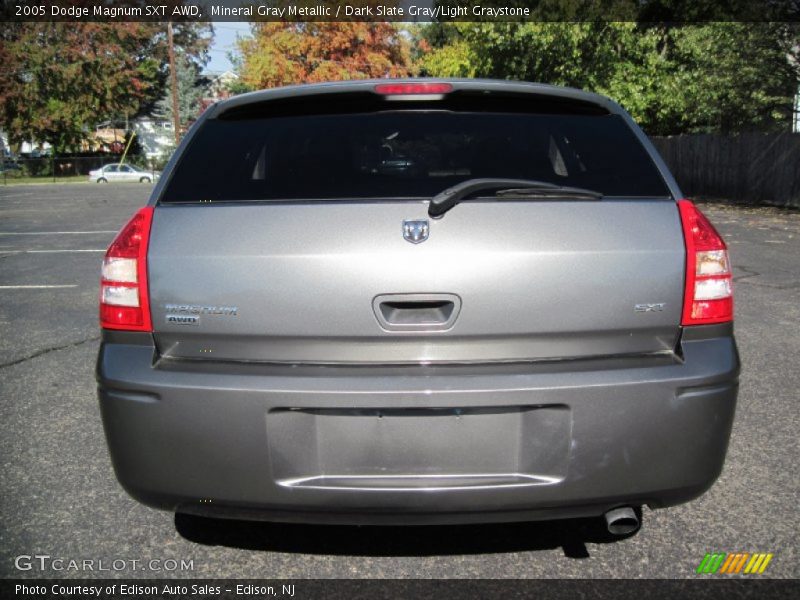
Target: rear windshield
{"type": "Point", "coordinates": [407, 154]}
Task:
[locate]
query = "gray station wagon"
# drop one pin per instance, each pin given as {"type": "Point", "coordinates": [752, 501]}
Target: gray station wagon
{"type": "Point", "coordinates": [417, 301]}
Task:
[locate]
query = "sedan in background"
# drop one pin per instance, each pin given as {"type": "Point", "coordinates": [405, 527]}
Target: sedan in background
{"type": "Point", "coordinates": [121, 172]}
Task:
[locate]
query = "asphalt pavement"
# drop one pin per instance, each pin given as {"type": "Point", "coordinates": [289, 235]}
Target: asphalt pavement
{"type": "Point", "coordinates": [59, 497]}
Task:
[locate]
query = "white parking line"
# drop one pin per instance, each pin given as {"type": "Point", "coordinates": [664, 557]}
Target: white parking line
{"type": "Point", "coordinates": [35, 287]}
{"type": "Point", "coordinates": [54, 232]}
{"type": "Point", "coordinates": [48, 251]}
{"type": "Point", "coordinates": [59, 251]}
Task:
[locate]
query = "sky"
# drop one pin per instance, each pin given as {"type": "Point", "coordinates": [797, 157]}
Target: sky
{"type": "Point", "coordinates": [224, 42]}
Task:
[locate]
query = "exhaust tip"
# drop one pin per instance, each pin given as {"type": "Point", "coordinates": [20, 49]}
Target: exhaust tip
{"type": "Point", "coordinates": [622, 521]}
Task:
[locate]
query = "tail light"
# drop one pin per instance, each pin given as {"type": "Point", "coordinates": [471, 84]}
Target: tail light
{"type": "Point", "coordinates": [708, 296]}
{"type": "Point", "coordinates": [124, 299]}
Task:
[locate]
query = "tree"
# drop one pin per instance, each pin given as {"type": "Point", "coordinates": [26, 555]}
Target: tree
{"type": "Point", "coordinates": [192, 42]}
{"type": "Point", "coordinates": [673, 79]}
{"type": "Point", "coordinates": [731, 76]}
{"type": "Point", "coordinates": [189, 94]}
{"type": "Point", "coordinates": [62, 79]}
{"type": "Point", "coordinates": [289, 53]}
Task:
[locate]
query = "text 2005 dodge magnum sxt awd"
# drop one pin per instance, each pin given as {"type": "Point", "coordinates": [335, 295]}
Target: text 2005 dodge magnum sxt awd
{"type": "Point", "coordinates": [417, 301]}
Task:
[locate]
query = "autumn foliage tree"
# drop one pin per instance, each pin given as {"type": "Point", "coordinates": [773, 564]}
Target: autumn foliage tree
{"type": "Point", "coordinates": [60, 80]}
{"type": "Point", "coordinates": [62, 77]}
{"type": "Point", "coordinates": [284, 53]}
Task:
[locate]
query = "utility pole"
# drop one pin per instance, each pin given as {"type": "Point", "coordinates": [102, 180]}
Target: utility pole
{"type": "Point", "coordinates": [176, 118]}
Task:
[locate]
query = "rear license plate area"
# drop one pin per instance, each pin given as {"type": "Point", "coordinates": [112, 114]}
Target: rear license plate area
{"type": "Point", "coordinates": [410, 449]}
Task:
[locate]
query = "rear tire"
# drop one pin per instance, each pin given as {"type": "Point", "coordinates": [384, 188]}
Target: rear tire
{"type": "Point", "coordinates": [144, 180]}
{"type": "Point", "coordinates": [102, 180]}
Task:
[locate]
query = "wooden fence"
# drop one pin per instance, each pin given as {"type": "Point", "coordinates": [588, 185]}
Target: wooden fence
{"type": "Point", "coordinates": [755, 168]}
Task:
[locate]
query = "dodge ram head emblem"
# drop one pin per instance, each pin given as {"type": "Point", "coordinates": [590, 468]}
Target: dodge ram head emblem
{"type": "Point", "coordinates": [415, 231]}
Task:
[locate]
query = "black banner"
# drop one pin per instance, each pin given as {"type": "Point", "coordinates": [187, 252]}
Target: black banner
{"type": "Point", "coordinates": [679, 11]}
{"type": "Point", "coordinates": [500, 589]}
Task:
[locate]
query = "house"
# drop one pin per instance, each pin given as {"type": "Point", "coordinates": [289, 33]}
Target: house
{"type": "Point", "coordinates": [156, 136]}
{"type": "Point", "coordinates": [107, 137]}
{"type": "Point", "coordinates": [35, 149]}
{"type": "Point", "coordinates": [217, 87]}
{"type": "Point", "coordinates": [219, 84]}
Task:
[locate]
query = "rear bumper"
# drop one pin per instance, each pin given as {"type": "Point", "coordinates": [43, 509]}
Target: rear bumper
{"type": "Point", "coordinates": [417, 444]}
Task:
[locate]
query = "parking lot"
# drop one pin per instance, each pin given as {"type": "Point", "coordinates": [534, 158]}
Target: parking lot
{"type": "Point", "coordinates": [60, 498]}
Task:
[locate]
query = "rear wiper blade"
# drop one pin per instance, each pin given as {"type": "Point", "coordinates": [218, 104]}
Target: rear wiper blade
{"type": "Point", "coordinates": [526, 188]}
{"type": "Point", "coordinates": [558, 192]}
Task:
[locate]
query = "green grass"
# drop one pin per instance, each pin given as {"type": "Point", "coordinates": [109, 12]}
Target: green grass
{"type": "Point", "coordinates": [18, 180]}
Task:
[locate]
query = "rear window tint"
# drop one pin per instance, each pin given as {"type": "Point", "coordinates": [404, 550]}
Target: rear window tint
{"type": "Point", "coordinates": [407, 154]}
